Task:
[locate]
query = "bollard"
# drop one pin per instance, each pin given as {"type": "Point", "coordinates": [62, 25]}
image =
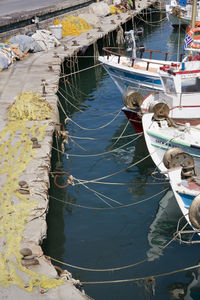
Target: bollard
{"type": "Point", "coordinates": [75, 43]}
{"type": "Point", "coordinates": [43, 87]}
{"type": "Point", "coordinates": [50, 68]}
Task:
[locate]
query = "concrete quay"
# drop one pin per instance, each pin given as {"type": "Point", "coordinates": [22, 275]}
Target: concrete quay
{"type": "Point", "coordinates": [16, 15]}
{"type": "Point", "coordinates": [23, 216]}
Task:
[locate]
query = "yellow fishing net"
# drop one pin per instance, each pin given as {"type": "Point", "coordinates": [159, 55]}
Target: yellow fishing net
{"type": "Point", "coordinates": [15, 208]}
{"type": "Point", "coordinates": [29, 106]}
{"type": "Point", "coordinates": [115, 10]}
{"type": "Point", "coordinates": [73, 25]}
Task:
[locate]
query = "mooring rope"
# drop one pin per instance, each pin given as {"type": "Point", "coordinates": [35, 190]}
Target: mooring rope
{"type": "Point", "coordinates": [103, 139]}
{"type": "Point", "coordinates": [142, 278]}
{"type": "Point", "coordinates": [59, 92]}
{"type": "Point", "coordinates": [98, 154]}
{"type": "Point", "coordinates": [117, 172]}
{"type": "Point", "coordinates": [76, 72]}
{"type": "Point", "coordinates": [114, 173]}
{"type": "Point", "coordinates": [82, 111]}
{"type": "Point", "coordinates": [83, 128]}
{"type": "Point", "coordinates": [128, 183]}
{"type": "Point", "coordinates": [117, 140]}
{"type": "Point", "coordinates": [102, 195]}
{"type": "Point", "coordinates": [110, 208]}
{"type": "Point", "coordinates": [100, 127]}
{"type": "Point", "coordinates": [152, 23]}
{"type": "Point", "coordinates": [88, 68]}
{"type": "Point", "coordinates": [79, 146]}
{"type": "Point", "coordinates": [119, 268]}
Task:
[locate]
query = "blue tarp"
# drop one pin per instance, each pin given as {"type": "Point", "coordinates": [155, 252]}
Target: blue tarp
{"type": "Point", "coordinates": [183, 2]}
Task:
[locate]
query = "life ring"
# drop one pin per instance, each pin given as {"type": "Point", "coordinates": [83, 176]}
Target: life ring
{"type": "Point", "coordinates": [197, 25]}
{"type": "Point", "coordinates": [190, 33]}
{"type": "Point", "coordinates": [194, 212]}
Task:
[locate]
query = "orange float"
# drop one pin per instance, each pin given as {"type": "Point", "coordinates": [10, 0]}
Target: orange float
{"type": "Point", "coordinates": [191, 32]}
{"type": "Point", "coordinates": [197, 25]}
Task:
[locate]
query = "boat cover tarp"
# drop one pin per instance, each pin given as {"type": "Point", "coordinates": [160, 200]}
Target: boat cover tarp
{"type": "Point", "coordinates": [26, 43]}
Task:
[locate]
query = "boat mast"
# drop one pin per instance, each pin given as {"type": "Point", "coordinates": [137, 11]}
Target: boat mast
{"type": "Point", "coordinates": [194, 13]}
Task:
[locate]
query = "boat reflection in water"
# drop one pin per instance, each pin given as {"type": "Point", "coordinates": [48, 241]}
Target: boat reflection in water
{"type": "Point", "coordinates": [183, 291]}
{"type": "Point", "coordinates": [163, 226]}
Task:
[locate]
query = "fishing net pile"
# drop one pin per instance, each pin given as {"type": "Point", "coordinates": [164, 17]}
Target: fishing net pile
{"type": "Point", "coordinates": [17, 209]}
{"type": "Point", "coordinates": [73, 25]}
{"type": "Point", "coordinates": [121, 7]}
{"type": "Point", "coordinates": [29, 106]}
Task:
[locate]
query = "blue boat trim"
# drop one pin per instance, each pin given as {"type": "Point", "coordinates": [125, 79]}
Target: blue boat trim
{"type": "Point", "coordinates": [187, 199]}
{"type": "Point", "coordinates": [133, 77]}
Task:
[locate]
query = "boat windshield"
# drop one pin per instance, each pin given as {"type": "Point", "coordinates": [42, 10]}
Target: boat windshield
{"type": "Point", "coordinates": [190, 85]}
{"type": "Point", "coordinates": [168, 85]}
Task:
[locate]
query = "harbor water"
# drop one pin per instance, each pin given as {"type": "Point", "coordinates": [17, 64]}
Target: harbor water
{"type": "Point", "coordinates": [119, 213]}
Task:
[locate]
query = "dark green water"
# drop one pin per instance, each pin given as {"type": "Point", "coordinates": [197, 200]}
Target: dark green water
{"type": "Point", "coordinates": [99, 235]}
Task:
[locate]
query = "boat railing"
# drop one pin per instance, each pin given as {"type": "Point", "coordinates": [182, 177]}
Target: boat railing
{"type": "Point", "coordinates": [113, 51]}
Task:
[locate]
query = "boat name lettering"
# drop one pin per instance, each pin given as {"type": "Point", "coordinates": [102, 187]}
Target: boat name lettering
{"type": "Point", "coordinates": [164, 143]}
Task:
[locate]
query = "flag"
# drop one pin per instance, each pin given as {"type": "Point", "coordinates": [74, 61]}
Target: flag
{"type": "Point", "coordinates": [188, 40]}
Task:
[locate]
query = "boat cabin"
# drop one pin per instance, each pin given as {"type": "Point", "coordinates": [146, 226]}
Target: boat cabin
{"type": "Point", "coordinates": [182, 79]}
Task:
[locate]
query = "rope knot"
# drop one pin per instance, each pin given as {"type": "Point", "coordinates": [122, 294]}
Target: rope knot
{"type": "Point", "coordinates": [70, 180]}
{"type": "Point", "coordinates": [66, 120]}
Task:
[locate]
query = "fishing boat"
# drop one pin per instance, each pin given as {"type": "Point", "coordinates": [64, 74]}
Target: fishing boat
{"type": "Point", "coordinates": [179, 13]}
{"type": "Point", "coordinates": [163, 137]}
{"type": "Point", "coordinates": [175, 150]}
{"type": "Point", "coordinates": [129, 72]}
{"type": "Point", "coordinates": [181, 85]}
{"type": "Point", "coordinates": [186, 190]}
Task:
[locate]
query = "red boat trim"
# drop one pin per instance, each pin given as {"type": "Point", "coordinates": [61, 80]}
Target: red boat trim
{"type": "Point", "coordinates": [186, 106]}
{"type": "Point", "coordinates": [187, 72]}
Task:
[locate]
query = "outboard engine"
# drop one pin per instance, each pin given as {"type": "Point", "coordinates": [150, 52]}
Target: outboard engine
{"type": "Point", "coordinates": [131, 37]}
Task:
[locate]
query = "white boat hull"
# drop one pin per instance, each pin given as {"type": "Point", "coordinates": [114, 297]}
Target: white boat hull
{"type": "Point", "coordinates": [126, 76]}
{"type": "Point", "coordinates": [184, 108]}
{"type": "Point", "coordinates": [184, 192]}
{"type": "Point", "coordinates": [158, 141]}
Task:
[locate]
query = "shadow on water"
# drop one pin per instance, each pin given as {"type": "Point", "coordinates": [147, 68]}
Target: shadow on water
{"type": "Point", "coordinates": [96, 235]}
